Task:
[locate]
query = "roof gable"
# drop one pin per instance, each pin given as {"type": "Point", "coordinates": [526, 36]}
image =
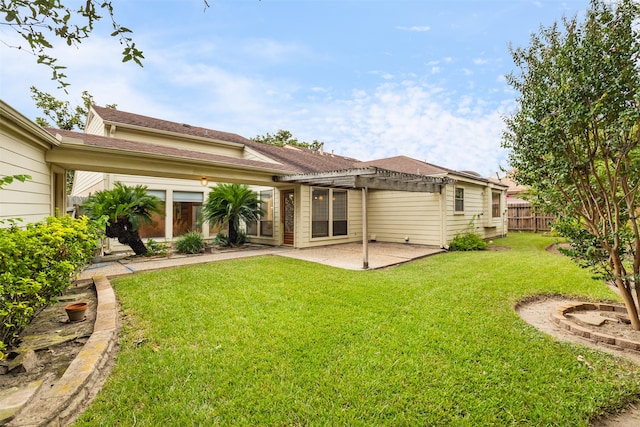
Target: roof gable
{"type": "Point", "coordinates": [292, 158]}
{"type": "Point", "coordinates": [111, 115]}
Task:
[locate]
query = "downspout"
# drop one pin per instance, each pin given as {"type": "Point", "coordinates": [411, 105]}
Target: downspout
{"type": "Point", "coordinates": [365, 231]}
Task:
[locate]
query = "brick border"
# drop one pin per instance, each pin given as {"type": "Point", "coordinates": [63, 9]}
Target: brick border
{"type": "Point", "coordinates": [560, 319]}
{"type": "Point", "coordinates": [59, 402]}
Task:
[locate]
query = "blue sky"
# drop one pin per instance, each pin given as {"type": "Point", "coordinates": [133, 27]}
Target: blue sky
{"type": "Point", "coordinates": [370, 78]}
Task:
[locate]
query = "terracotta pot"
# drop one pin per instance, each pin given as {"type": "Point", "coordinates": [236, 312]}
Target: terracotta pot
{"type": "Point", "coordinates": [76, 310]}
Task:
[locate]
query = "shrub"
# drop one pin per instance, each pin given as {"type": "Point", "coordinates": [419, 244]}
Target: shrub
{"type": "Point", "coordinates": [156, 248]}
{"type": "Point", "coordinates": [223, 239]}
{"type": "Point", "coordinates": [37, 264]}
{"type": "Point", "coordinates": [190, 243]}
{"type": "Point", "coordinates": [467, 242]}
{"type": "Point", "coordinates": [242, 238]}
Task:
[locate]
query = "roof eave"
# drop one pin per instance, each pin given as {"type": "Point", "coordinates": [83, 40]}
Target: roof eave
{"type": "Point", "coordinates": [19, 123]}
{"type": "Point", "coordinates": [145, 129]}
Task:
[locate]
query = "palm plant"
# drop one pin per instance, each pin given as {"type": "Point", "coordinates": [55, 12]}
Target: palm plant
{"type": "Point", "coordinates": [124, 209]}
{"type": "Point", "coordinates": [230, 204]}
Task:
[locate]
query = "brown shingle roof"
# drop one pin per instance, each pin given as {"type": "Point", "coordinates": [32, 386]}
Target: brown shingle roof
{"type": "Point", "coordinates": [144, 147]}
{"type": "Point", "coordinates": [304, 160]}
{"type": "Point", "coordinates": [297, 159]}
{"type": "Point", "coordinates": [417, 167]}
{"type": "Point", "coordinates": [291, 159]}
{"type": "Point", "coordinates": [122, 117]}
{"type": "Point", "coordinates": [404, 164]}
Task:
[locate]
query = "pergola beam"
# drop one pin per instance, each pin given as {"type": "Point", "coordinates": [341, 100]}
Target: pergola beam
{"type": "Point", "coordinates": [372, 178]}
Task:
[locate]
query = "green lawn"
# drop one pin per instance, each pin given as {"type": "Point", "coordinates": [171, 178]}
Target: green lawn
{"type": "Point", "coordinates": [277, 341]}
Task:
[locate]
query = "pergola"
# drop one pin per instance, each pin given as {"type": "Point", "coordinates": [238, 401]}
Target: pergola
{"type": "Point", "coordinates": [369, 178]}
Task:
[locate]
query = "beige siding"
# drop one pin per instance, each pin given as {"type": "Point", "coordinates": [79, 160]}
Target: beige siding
{"type": "Point", "coordinates": [181, 143]}
{"type": "Point", "coordinates": [469, 219]}
{"type": "Point", "coordinates": [404, 217]}
{"type": "Point", "coordinates": [95, 125]}
{"type": "Point", "coordinates": [477, 212]}
{"type": "Point", "coordinates": [303, 220]}
{"type": "Point", "coordinates": [86, 183]}
{"type": "Point", "coordinates": [250, 154]}
{"type": "Point", "coordinates": [32, 200]}
{"type": "Point", "coordinates": [495, 226]}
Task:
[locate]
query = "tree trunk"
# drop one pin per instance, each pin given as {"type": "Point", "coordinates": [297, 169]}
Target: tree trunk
{"type": "Point", "coordinates": [121, 230]}
{"type": "Point", "coordinates": [233, 234]}
{"type": "Point", "coordinates": [632, 310]}
{"type": "Point", "coordinates": [136, 243]}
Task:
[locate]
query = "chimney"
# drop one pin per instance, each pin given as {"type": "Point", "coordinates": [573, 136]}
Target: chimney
{"type": "Point", "coordinates": [321, 148]}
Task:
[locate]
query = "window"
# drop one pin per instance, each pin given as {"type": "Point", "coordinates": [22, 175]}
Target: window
{"type": "Point", "coordinates": [265, 222]}
{"type": "Point", "coordinates": [156, 227]}
{"type": "Point", "coordinates": [459, 200]}
{"type": "Point", "coordinates": [252, 228]}
{"type": "Point", "coordinates": [328, 212]}
{"type": "Point", "coordinates": [339, 200]}
{"type": "Point", "coordinates": [495, 204]}
{"type": "Point", "coordinates": [186, 212]}
{"type": "Point", "coordinates": [319, 212]}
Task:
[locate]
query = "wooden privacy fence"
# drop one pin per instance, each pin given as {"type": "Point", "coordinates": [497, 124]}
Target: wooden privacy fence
{"type": "Point", "coordinates": [522, 217]}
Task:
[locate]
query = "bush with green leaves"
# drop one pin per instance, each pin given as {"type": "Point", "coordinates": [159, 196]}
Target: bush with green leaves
{"type": "Point", "coordinates": [232, 204]}
{"type": "Point", "coordinates": [467, 242]}
{"type": "Point", "coordinates": [123, 209]}
{"type": "Point", "coordinates": [223, 240]}
{"type": "Point", "coordinates": [190, 243]}
{"type": "Point", "coordinates": [37, 264]}
{"type": "Point", "coordinates": [155, 248]}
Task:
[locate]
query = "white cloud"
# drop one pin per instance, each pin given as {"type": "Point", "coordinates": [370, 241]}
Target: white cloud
{"type": "Point", "coordinates": [410, 120]}
{"type": "Point", "coordinates": [406, 118]}
{"type": "Point", "coordinates": [416, 28]}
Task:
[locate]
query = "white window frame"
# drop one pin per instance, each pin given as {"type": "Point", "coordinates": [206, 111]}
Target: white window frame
{"type": "Point", "coordinates": [457, 199]}
{"type": "Point", "coordinates": [330, 222]}
{"type": "Point", "coordinates": [260, 220]}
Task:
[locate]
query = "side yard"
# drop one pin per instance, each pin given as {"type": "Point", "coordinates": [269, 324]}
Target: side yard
{"type": "Point", "coordinates": [273, 341]}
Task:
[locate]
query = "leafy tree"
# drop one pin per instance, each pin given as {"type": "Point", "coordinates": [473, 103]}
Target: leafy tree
{"type": "Point", "coordinates": [63, 115]}
{"type": "Point", "coordinates": [124, 208]}
{"type": "Point", "coordinates": [40, 22]}
{"type": "Point", "coordinates": [61, 112]}
{"type": "Point", "coordinates": [575, 139]}
{"type": "Point", "coordinates": [232, 203]}
{"type": "Point", "coordinates": [284, 137]}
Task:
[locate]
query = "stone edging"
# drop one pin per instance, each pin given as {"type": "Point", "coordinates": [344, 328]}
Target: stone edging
{"type": "Point", "coordinates": [58, 403]}
{"type": "Point", "coordinates": [559, 319]}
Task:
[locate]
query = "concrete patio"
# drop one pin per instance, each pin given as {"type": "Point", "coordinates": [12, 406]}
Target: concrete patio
{"type": "Point", "coordinates": [348, 256]}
